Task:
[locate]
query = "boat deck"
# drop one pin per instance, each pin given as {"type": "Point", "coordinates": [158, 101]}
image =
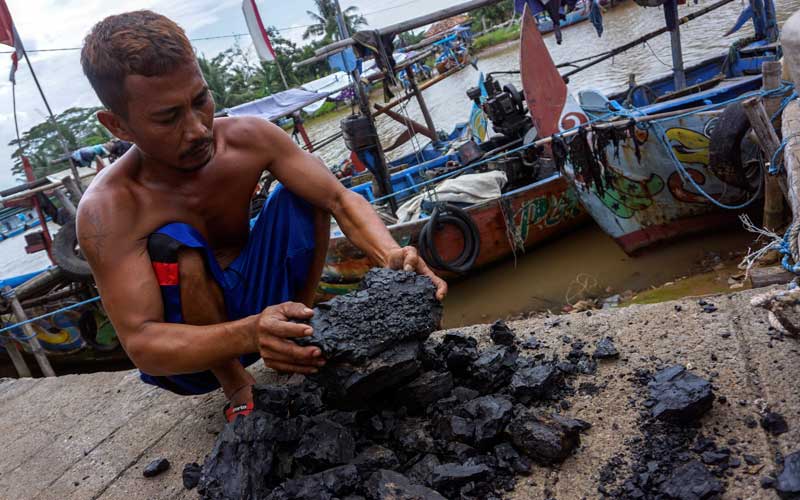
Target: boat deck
{"type": "Point", "coordinates": [90, 436]}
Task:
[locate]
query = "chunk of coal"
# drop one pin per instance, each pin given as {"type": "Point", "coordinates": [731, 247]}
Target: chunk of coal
{"type": "Point", "coordinates": [428, 388]}
{"type": "Point", "coordinates": [388, 369]}
{"type": "Point", "coordinates": [455, 427]}
{"type": "Point", "coordinates": [375, 457]}
{"type": "Point", "coordinates": [325, 445]}
{"type": "Point", "coordinates": [788, 482]}
{"type": "Point", "coordinates": [390, 485]}
{"type": "Point", "coordinates": [691, 481]}
{"type": "Point", "coordinates": [489, 416]}
{"type": "Point", "coordinates": [223, 477]}
{"type": "Point", "coordinates": [679, 395]}
{"type": "Point", "coordinates": [536, 382]}
{"type": "Point", "coordinates": [531, 343]}
{"type": "Point", "coordinates": [326, 485]}
{"type": "Point", "coordinates": [457, 351]}
{"type": "Point", "coordinates": [493, 369]}
{"type": "Point", "coordinates": [501, 334]}
{"type": "Point", "coordinates": [509, 459]}
{"type": "Point", "coordinates": [450, 477]}
{"type": "Point", "coordinates": [390, 307]}
{"type": "Point", "coordinates": [156, 467]}
{"type": "Point", "coordinates": [422, 471]}
{"type": "Point", "coordinates": [191, 475]}
{"type": "Point", "coordinates": [546, 439]}
{"type": "Point", "coordinates": [413, 436]}
{"type": "Point", "coordinates": [774, 423]}
{"type": "Point", "coordinates": [605, 349]}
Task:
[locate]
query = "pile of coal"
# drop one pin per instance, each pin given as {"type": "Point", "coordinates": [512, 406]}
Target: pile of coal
{"type": "Point", "coordinates": [450, 420]}
{"type": "Point", "coordinates": [671, 459]}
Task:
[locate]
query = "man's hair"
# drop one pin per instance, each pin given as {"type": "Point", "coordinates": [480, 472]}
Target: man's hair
{"type": "Point", "coordinates": [135, 43]}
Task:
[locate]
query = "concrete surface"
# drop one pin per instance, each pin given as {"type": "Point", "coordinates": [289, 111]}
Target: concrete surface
{"type": "Point", "coordinates": [90, 436]}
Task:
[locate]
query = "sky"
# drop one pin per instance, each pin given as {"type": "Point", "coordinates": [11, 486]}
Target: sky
{"type": "Point", "coordinates": [50, 24]}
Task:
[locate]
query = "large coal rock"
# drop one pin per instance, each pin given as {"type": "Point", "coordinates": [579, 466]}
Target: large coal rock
{"type": "Point", "coordinates": [692, 482]}
{"type": "Point", "coordinates": [535, 382]}
{"type": "Point", "coordinates": [450, 477]}
{"type": "Point", "coordinates": [324, 445]}
{"type": "Point", "coordinates": [326, 485]}
{"type": "Point", "coordinates": [489, 416]}
{"type": "Point", "coordinates": [390, 485]}
{"type": "Point", "coordinates": [388, 369]}
{"type": "Point", "coordinates": [547, 439]}
{"type": "Point", "coordinates": [374, 458]}
{"type": "Point", "coordinates": [788, 483]}
{"type": "Point", "coordinates": [428, 388]}
{"type": "Point", "coordinates": [224, 477]}
{"type": "Point", "coordinates": [679, 395]}
{"type": "Point", "coordinates": [390, 307]}
{"type": "Point", "coordinates": [493, 369]}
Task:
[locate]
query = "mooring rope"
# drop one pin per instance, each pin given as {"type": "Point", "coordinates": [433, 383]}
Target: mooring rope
{"type": "Point", "coordinates": [25, 338]}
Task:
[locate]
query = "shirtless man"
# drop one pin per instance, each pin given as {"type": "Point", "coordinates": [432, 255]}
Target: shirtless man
{"type": "Point", "coordinates": [193, 292]}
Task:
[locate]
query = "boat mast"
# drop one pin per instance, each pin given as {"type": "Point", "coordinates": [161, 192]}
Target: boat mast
{"type": "Point", "coordinates": [381, 173]}
{"type": "Point", "coordinates": [671, 12]}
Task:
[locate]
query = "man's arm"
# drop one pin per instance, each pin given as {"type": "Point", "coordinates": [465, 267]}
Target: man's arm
{"type": "Point", "coordinates": [132, 298]}
{"type": "Point", "coordinates": [306, 175]}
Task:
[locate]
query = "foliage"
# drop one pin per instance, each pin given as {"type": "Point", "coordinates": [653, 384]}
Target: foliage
{"type": "Point", "coordinates": [496, 37]}
{"type": "Point", "coordinates": [42, 143]}
{"type": "Point", "coordinates": [409, 38]}
{"type": "Point", "coordinates": [325, 21]}
{"type": "Point", "coordinates": [495, 13]}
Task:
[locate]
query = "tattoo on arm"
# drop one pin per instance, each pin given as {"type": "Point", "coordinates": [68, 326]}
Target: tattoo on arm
{"type": "Point", "coordinates": [94, 235]}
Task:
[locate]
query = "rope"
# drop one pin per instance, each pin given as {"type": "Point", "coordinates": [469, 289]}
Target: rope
{"type": "Point", "coordinates": [46, 315]}
{"type": "Point", "coordinates": [774, 163]}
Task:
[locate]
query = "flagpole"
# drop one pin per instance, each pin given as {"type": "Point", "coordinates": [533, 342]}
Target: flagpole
{"type": "Point", "coordinates": [72, 166]}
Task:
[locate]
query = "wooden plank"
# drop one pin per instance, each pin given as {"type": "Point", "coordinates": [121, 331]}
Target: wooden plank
{"type": "Point", "coordinates": [791, 155]}
{"type": "Point", "coordinates": [768, 139]}
{"type": "Point", "coordinates": [767, 276]}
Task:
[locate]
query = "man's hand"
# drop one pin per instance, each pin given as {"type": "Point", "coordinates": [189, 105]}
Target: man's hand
{"type": "Point", "coordinates": [274, 328]}
{"type": "Point", "coordinates": [408, 259]}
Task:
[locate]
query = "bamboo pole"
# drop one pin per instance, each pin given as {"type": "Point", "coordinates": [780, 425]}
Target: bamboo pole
{"type": "Point", "coordinates": [769, 142]}
{"type": "Point", "coordinates": [18, 361]}
{"type": "Point", "coordinates": [33, 342]}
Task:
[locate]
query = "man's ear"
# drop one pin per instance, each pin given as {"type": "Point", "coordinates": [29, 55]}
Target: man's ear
{"type": "Point", "coordinates": [114, 124]}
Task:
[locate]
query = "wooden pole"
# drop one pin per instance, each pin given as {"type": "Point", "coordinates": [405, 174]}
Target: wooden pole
{"type": "Point", "coordinates": [412, 125]}
{"type": "Point", "coordinates": [73, 188]}
{"type": "Point", "coordinates": [422, 105]}
{"type": "Point", "coordinates": [16, 358]}
{"type": "Point", "coordinates": [66, 202]}
{"type": "Point", "coordinates": [33, 342]}
{"type": "Point", "coordinates": [768, 139]}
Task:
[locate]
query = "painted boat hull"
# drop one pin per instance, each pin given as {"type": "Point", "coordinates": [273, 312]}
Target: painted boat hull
{"type": "Point", "coordinates": [648, 201]}
{"type": "Point", "coordinates": [539, 211]}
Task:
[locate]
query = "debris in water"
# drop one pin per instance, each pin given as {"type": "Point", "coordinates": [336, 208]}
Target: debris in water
{"type": "Point", "coordinates": [679, 395]}
{"type": "Point", "coordinates": [788, 481]}
{"type": "Point", "coordinates": [605, 349]}
{"type": "Point", "coordinates": [156, 467]}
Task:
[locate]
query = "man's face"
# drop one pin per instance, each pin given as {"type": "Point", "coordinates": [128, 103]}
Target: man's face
{"type": "Point", "coordinates": [171, 117]}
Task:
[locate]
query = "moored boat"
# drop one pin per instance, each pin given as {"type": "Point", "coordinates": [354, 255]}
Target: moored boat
{"type": "Point", "coordinates": [686, 164]}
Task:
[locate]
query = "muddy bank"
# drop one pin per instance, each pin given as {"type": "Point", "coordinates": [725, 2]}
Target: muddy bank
{"type": "Point", "coordinates": [91, 436]}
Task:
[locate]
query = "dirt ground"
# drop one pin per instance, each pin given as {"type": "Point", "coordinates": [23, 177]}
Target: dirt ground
{"type": "Point", "coordinates": [90, 436]}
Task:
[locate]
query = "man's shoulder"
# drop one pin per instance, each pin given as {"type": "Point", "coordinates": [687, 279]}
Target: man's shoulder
{"type": "Point", "coordinates": [109, 192]}
{"type": "Point", "coordinates": [244, 131]}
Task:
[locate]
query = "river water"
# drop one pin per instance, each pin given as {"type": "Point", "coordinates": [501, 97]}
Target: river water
{"type": "Point", "coordinates": [586, 260]}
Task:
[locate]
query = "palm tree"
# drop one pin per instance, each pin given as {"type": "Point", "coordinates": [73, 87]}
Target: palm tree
{"type": "Point", "coordinates": [325, 20]}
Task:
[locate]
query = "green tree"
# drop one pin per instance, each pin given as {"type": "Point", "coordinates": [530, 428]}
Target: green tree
{"type": "Point", "coordinates": [325, 21]}
{"type": "Point", "coordinates": [42, 143]}
{"type": "Point", "coordinates": [495, 13]}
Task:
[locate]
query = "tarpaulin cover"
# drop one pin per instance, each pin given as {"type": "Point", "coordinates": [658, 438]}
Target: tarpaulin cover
{"type": "Point", "coordinates": [278, 105]}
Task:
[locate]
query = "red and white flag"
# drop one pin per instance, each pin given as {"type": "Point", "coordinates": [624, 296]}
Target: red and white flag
{"type": "Point", "coordinates": [257, 31]}
{"type": "Point", "coordinates": [9, 36]}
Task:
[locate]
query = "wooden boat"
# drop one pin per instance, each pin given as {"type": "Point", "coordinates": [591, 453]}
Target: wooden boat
{"type": "Point", "coordinates": [533, 213]}
{"type": "Point", "coordinates": [661, 183]}
{"type": "Point", "coordinates": [581, 13]}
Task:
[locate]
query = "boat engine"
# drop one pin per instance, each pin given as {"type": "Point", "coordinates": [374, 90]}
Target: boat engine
{"type": "Point", "coordinates": [504, 107]}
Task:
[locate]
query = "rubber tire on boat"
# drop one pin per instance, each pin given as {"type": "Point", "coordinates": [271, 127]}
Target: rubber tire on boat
{"type": "Point", "coordinates": [725, 148]}
{"type": "Point", "coordinates": [450, 214]}
{"type": "Point", "coordinates": [65, 255]}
